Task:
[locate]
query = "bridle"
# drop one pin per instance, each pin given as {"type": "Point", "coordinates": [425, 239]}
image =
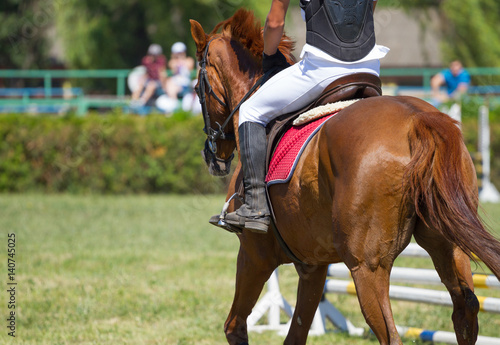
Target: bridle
{"type": "Point", "coordinates": [203, 87]}
{"type": "Point", "coordinates": [201, 90]}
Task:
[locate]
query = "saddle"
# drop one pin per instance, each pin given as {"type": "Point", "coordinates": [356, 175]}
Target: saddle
{"type": "Point", "coordinates": [353, 86]}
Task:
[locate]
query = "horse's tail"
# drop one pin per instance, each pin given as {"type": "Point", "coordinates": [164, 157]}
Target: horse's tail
{"type": "Point", "coordinates": [440, 181]}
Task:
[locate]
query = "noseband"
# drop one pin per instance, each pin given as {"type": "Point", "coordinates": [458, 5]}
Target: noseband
{"type": "Point", "coordinates": [204, 87]}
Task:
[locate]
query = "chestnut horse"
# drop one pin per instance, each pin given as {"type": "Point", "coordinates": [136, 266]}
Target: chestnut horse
{"type": "Point", "coordinates": [378, 172]}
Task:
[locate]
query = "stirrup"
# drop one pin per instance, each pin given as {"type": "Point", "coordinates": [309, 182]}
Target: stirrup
{"type": "Point", "coordinates": [216, 221]}
{"type": "Point", "coordinates": [220, 220]}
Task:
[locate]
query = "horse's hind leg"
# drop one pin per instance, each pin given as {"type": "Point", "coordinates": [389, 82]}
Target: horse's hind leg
{"type": "Point", "coordinates": [309, 293]}
{"type": "Point", "coordinates": [372, 288]}
{"type": "Point", "coordinates": [453, 267]}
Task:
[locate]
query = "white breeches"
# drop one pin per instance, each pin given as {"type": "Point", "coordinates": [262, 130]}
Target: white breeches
{"type": "Point", "coordinates": [297, 86]}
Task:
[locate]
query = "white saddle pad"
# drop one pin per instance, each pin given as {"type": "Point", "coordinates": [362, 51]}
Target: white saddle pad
{"type": "Point", "coordinates": [322, 110]}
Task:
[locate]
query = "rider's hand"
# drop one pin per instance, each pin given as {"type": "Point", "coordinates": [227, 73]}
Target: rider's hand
{"type": "Point", "coordinates": [277, 60]}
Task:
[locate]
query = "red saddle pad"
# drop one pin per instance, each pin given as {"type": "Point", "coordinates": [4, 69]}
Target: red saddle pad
{"type": "Point", "coordinates": [290, 148]}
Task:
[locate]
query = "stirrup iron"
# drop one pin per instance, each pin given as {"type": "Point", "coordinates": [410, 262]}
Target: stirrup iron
{"type": "Point", "coordinates": [220, 220]}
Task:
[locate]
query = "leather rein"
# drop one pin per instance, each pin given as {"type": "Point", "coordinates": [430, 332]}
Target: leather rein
{"type": "Point", "coordinates": [205, 88]}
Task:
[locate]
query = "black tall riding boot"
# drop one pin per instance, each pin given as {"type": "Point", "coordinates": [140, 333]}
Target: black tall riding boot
{"type": "Point", "coordinates": [254, 214]}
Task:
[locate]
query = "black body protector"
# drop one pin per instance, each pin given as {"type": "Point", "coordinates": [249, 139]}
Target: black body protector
{"type": "Point", "coordinates": [342, 28]}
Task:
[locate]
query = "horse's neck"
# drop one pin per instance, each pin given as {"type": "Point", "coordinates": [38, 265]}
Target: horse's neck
{"type": "Point", "coordinates": [241, 73]}
{"type": "Point", "coordinates": [237, 83]}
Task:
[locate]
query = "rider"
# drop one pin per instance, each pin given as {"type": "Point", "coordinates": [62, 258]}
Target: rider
{"type": "Point", "coordinates": [340, 40]}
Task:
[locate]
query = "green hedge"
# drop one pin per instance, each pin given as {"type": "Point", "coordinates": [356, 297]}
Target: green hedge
{"type": "Point", "coordinates": [114, 153]}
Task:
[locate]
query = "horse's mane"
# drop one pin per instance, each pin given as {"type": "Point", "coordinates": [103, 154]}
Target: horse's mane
{"type": "Point", "coordinates": [244, 27]}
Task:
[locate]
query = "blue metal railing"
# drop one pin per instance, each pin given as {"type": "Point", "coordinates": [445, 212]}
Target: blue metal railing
{"type": "Point", "coordinates": [49, 92]}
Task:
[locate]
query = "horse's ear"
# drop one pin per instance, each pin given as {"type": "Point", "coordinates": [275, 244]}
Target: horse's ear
{"type": "Point", "coordinates": [199, 36]}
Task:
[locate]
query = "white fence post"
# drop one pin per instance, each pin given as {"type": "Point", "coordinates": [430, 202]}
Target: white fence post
{"type": "Point", "coordinates": [488, 191]}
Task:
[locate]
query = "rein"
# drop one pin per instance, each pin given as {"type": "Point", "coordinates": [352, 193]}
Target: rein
{"type": "Point", "coordinates": [204, 86]}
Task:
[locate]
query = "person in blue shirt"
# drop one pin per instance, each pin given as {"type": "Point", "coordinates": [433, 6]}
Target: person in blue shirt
{"type": "Point", "coordinates": [456, 79]}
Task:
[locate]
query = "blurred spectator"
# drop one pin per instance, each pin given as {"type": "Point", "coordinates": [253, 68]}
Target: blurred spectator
{"type": "Point", "coordinates": [456, 79]}
{"type": "Point", "coordinates": [154, 79]}
{"type": "Point", "coordinates": [181, 66]}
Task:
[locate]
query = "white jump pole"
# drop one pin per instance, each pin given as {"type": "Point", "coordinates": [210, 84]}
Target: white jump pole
{"type": "Point", "coordinates": [419, 333]}
{"type": "Point", "coordinates": [441, 336]}
{"type": "Point", "coordinates": [417, 275]}
{"type": "Point", "coordinates": [403, 293]}
{"type": "Point", "coordinates": [409, 332]}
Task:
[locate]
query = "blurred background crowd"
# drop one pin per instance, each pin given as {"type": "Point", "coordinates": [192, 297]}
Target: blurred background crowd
{"type": "Point", "coordinates": [139, 37]}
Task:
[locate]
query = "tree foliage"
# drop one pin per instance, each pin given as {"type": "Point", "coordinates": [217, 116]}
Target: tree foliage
{"type": "Point", "coordinates": [116, 34]}
{"type": "Point", "coordinates": [470, 29]}
{"type": "Point", "coordinates": [103, 34]}
{"type": "Point", "coordinates": [22, 33]}
{"type": "Point", "coordinates": [473, 31]}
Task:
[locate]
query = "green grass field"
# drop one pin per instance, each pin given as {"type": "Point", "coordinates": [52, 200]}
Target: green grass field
{"type": "Point", "coordinates": [147, 270]}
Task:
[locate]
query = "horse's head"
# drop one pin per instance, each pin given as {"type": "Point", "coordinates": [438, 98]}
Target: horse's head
{"type": "Point", "coordinates": [220, 142]}
{"type": "Point", "coordinates": [230, 63]}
